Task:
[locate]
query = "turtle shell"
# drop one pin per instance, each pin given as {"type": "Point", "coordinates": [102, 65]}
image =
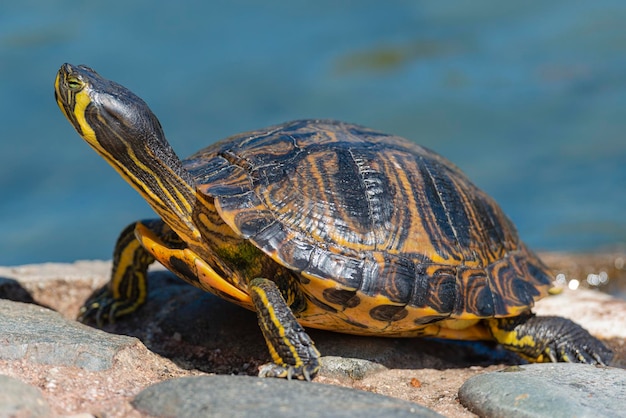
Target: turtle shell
{"type": "Point", "coordinates": [370, 222]}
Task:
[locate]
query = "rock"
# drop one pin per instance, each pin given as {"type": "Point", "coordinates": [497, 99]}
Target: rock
{"type": "Point", "coordinates": [350, 368]}
{"type": "Point", "coordinates": [60, 286]}
{"type": "Point", "coordinates": [42, 336]}
{"type": "Point", "coordinates": [17, 399]}
{"type": "Point", "coordinates": [547, 390]}
{"type": "Point", "coordinates": [243, 396]}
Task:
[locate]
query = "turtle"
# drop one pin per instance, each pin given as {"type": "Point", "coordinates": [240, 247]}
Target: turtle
{"type": "Point", "coordinates": [318, 224]}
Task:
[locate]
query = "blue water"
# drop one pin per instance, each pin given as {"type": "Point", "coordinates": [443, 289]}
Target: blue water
{"type": "Point", "coordinates": [528, 99]}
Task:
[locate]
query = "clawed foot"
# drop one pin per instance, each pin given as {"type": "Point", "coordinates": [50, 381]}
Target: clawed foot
{"type": "Point", "coordinates": [578, 346]}
{"type": "Point", "coordinates": [549, 338]}
{"type": "Point", "coordinates": [103, 308]}
{"type": "Point", "coordinates": [306, 372]}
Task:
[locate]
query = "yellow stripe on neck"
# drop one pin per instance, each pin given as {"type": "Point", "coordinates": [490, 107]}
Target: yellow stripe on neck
{"type": "Point", "coordinates": [178, 206]}
{"type": "Point", "coordinates": [82, 100]}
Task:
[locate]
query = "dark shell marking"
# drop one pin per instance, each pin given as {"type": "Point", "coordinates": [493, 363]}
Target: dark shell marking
{"type": "Point", "coordinates": [364, 216]}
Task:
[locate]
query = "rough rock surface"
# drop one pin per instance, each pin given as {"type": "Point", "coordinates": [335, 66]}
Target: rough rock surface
{"type": "Point", "coordinates": [246, 396]}
{"type": "Point", "coordinates": [17, 399]}
{"type": "Point", "coordinates": [39, 335]}
{"type": "Point", "coordinates": [182, 331]}
{"type": "Point", "coordinates": [547, 390]}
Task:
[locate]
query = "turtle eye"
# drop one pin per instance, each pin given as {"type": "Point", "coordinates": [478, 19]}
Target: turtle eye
{"type": "Point", "coordinates": [74, 83]}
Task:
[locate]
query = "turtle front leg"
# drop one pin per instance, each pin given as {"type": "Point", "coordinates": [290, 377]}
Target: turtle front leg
{"type": "Point", "coordinates": [292, 350]}
{"type": "Point", "coordinates": [549, 338]}
{"type": "Point", "coordinates": [128, 287]}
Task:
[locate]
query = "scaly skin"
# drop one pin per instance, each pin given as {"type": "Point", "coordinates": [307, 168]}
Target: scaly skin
{"type": "Point", "coordinates": [291, 348]}
{"type": "Point", "coordinates": [549, 338]}
{"type": "Point", "coordinates": [128, 287]}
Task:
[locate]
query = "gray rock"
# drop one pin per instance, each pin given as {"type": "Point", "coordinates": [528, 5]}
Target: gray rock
{"type": "Point", "coordinates": [17, 399]}
{"type": "Point", "coordinates": [352, 368]}
{"type": "Point", "coordinates": [43, 336]}
{"type": "Point", "coordinates": [547, 390]}
{"type": "Point", "coordinates": [244, 396]}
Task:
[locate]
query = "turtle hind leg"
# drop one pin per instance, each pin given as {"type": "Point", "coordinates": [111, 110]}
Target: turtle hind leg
{"type": "Point", "coordinates": [127, 289]}
{"type": "Point", "coordinates": [549, 338]}
{"type": "Point", "coordinates": [293, 353]}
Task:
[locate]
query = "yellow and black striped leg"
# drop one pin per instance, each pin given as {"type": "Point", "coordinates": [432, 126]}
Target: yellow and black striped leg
{"type": "Point", "coordinates": [293, 353]}
{"type": "Point", "coordinates": [549, 338]}
{"type": "Point", "coordinates": [128, 288]}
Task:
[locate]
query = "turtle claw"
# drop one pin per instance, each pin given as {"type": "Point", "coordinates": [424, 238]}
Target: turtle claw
{"type": "Point", "coordinates": [607, 354]}
{"type": "Point", "coordinates": [96, 307]}
{"type": "Point", "coordinates": [95, 313]}
{"type": "Point", "coordinates": [583, 350]}
{"type": "Point", "coordinates": [306, 372]}
{"type": "Point", "coordinates": [102, 308]}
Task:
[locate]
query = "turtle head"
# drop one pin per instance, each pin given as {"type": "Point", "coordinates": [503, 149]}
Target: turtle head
{"type": "Point", "coordinates": [112, 119]}
{"type": "Point", "coordinates": [122, 128]}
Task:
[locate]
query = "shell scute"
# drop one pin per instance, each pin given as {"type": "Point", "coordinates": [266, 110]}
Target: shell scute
{"type": "Point", "coordinates": [393, 277]}
{"type": "Point", "coordinates": [346, 271]}
{"type": "Point", "coordinates": [298, 252]}
{"type": "Point", "coordinates": [388, 313]}
{"type": "Point", "coordinates": [476, 289]}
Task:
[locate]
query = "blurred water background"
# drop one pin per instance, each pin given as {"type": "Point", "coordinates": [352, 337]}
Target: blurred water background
{"type": "Point", "coordinates": [528, 98]}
